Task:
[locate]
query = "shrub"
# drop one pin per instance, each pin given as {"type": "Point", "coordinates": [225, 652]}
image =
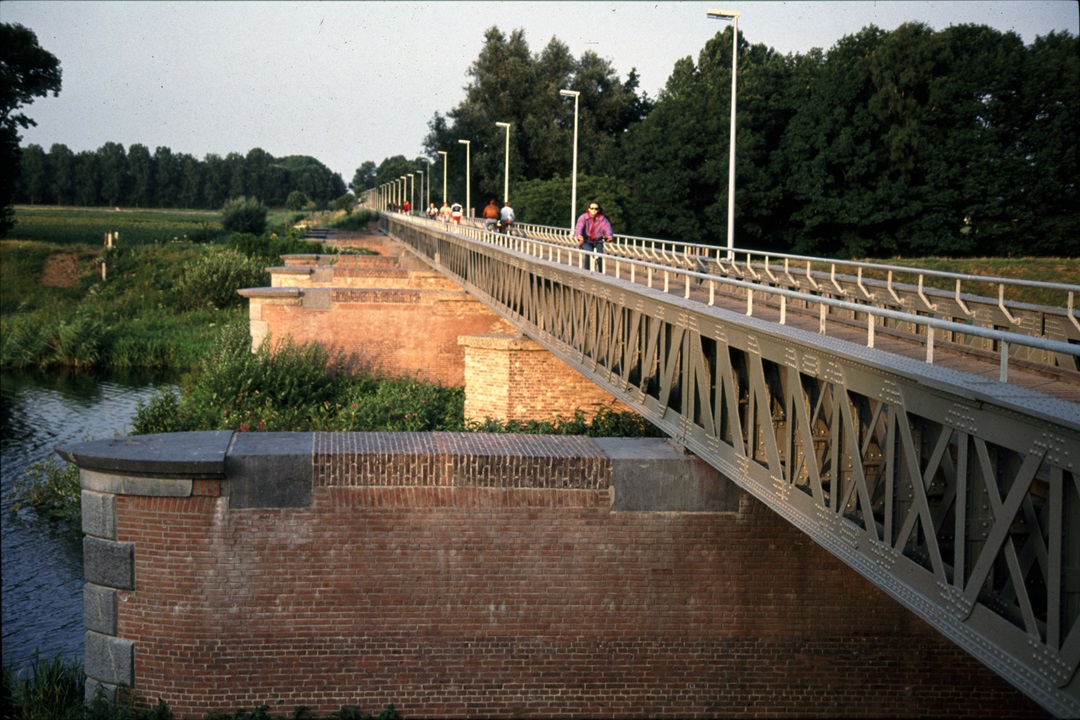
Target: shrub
{"type": "Point", "coordinates": [52, 490]}
{"type": "Point", "coordinates": [346, 202]}
{"type": "Point", "coordinates": [296, 201]}
{"type": "Point", "coordinates": [243, 214]}
{"type": "Point", "coordinates": [162, 414]}
{"type": "Point", "coordinates": [216, 276]}
{"type": "Point", "coordinates": [271, 248]}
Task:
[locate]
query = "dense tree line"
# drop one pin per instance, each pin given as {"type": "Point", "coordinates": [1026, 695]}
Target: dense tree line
{"type": "Point", "coordinates": [164, 179]}
{"type": "Point", "coordinates": [910, 142]}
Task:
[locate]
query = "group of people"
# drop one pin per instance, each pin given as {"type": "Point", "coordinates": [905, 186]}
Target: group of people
{"type": "Point", "coordinates": [592, 228]}
{"type": "Point", "coordinates": [447, 213]}
{"type": "Point", "coordinates": [496, 219]}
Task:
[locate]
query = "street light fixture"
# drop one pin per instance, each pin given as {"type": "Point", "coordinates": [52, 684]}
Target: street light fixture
{"type": "Point", "coordinates": [404, 187]}
{"type": "Point", "coordinates": [412, 193]}
{"type": "Point", "coordinates": [506, 174]}
{"type": "Point", "coordinates": [468, 184]}
{"type": "Point", "coordinates": [428, 160]}
{"type": "Point", "coordinates": [444, 156]}
{"type": "Point", "coordinates": [573, 184]}
{"type": "Point", "coordinates": [421, 174]}
{"type": "Point", "coordinates": [734, 17]}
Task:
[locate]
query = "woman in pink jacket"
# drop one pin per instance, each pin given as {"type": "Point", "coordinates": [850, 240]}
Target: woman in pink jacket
{"type": "Point", "coordinates": [592, 229]}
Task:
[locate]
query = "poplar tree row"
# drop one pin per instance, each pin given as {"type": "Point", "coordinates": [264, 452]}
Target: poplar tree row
{"type": "Point", "coordinates": [136, 178]}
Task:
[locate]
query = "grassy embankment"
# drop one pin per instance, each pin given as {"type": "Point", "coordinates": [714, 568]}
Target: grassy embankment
{"type": "Point", "coordinates": [151, 308]}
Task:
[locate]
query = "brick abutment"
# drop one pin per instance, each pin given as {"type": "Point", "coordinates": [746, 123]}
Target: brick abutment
{"type": "Point", "coordinates": [470, 575]}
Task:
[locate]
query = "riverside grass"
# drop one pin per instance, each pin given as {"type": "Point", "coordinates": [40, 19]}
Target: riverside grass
{"type": "Point", "coordinates": [67, 300]}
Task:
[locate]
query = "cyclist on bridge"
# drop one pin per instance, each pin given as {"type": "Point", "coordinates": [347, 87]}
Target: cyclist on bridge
{"type": "Point", "coordinates": [592, 229]}
{"type": "Point", "coordinates": [491, 215]}
{"type": "Point", "coordinates": [506, 218]}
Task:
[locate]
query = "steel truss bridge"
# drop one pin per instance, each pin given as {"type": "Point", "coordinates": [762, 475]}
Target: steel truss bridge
{"type": "Point", "coordinates": [917, 424]}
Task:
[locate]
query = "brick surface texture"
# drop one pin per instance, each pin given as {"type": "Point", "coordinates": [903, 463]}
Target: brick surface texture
{"type": "Point", "coordinates": [511, 378]}
{"type": "Point", "coordinates": [398, 332]}
{"type": "Point", "coordinates": [456, 577]}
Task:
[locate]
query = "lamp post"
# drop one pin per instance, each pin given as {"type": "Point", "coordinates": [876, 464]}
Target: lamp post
{"type": "Point", "coordinates": [412, 193]}
{"type": "Point", "coordinates": [734, 17]}
{"type": "Point", "coordinates": [404, 187]}
{"type": "Point", "coordinates": [443, 153]}
{"type": "Point", "coordinates": [573, 183]}
{"type": "Point", "coordinates": [468, 184]}
{"type": "Point", "coordinates": [421, 174]}
{"type": "Point", "coordinates": [428, 180]}
{"type": "Point", "coordinates": [506, 173]}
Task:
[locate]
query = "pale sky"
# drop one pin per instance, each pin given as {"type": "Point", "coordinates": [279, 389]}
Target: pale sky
{"type": "Point", "coordinates": [347, 82]}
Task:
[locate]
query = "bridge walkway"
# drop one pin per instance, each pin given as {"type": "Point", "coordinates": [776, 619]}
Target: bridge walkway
{"type": "Point", "coordinates": [1047, 374]}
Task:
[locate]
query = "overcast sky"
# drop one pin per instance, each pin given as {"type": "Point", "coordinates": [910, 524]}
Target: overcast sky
{"type": "Point", "coordinates": [356, 81]}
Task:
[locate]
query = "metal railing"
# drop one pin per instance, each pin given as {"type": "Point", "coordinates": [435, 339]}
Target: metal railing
{"type": "Point", "coordinates": [660, 262]}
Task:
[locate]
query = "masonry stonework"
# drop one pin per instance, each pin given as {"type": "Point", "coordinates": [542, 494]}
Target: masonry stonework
{"type": "Point", "coordinates": [509, 377]}
{"type": "Point", "coordinates": [390, 313]}
{"type": "Point", "coordinates": [464, 575]}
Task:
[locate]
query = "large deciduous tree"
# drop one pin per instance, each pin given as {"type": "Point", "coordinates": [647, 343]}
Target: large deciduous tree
{"type": "Point", "coordinates": [27, 71]}
{"type": "Point", "coordinates": [511, 85]}
{"type": "Point", "coordinates": [364, 177]}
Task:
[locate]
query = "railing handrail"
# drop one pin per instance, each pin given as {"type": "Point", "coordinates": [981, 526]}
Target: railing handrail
{"type": "Point", "coordinates": [1005, 338]}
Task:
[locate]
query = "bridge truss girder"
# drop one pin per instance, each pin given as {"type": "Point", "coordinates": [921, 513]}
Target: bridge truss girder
{"type": "Point", "coordinates": [958, 496]}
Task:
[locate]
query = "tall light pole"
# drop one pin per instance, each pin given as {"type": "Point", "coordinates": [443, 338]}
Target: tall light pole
{"type": "Point", "coordinates": [404, 187]}
{"type": "Point", "coordinates": [443, 153]}
{"type": "Point", "coordinates": [506, 174]}
{"type": "Point", "coordinates": [734, 17]}
{"type": "Point", "coordinates": [468, 184]}
{"type": "Point", "coordinates": [412, 193]}
{"type": "Point", "coordinates": [573, 183]}
{"type": "Point", "coordinates": [428, 180]}
{"type": "Point", "coordinates": [421, 174]}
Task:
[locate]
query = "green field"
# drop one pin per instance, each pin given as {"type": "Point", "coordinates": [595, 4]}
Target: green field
{"type": "Point", "coordinates": [58, 308]}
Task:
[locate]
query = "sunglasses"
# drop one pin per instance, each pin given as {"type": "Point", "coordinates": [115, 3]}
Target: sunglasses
{"type": "Point", "coordinates": [593, 207]}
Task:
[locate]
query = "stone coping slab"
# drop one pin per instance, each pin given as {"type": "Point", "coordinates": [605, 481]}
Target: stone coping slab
{"type": "Point", "coordinates": [193, 455]}
{"type": "Point", "coordinates": [283, 469]}
{"type": "Point", "coordinates": [270, 292]}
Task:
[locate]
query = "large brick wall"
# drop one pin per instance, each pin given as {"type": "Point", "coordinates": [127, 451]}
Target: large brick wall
{"type": "Point", "coordinates": [488, 576]}
{"type": "Point", "coordinates": [411, 332]}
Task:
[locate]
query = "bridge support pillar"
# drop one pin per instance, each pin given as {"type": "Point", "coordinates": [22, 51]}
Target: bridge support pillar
{"type": "Point", "coordinates": [510, 377]}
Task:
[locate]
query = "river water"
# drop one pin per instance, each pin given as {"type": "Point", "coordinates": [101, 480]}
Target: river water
{"type": "Point", "coordinates": [42, 571]}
